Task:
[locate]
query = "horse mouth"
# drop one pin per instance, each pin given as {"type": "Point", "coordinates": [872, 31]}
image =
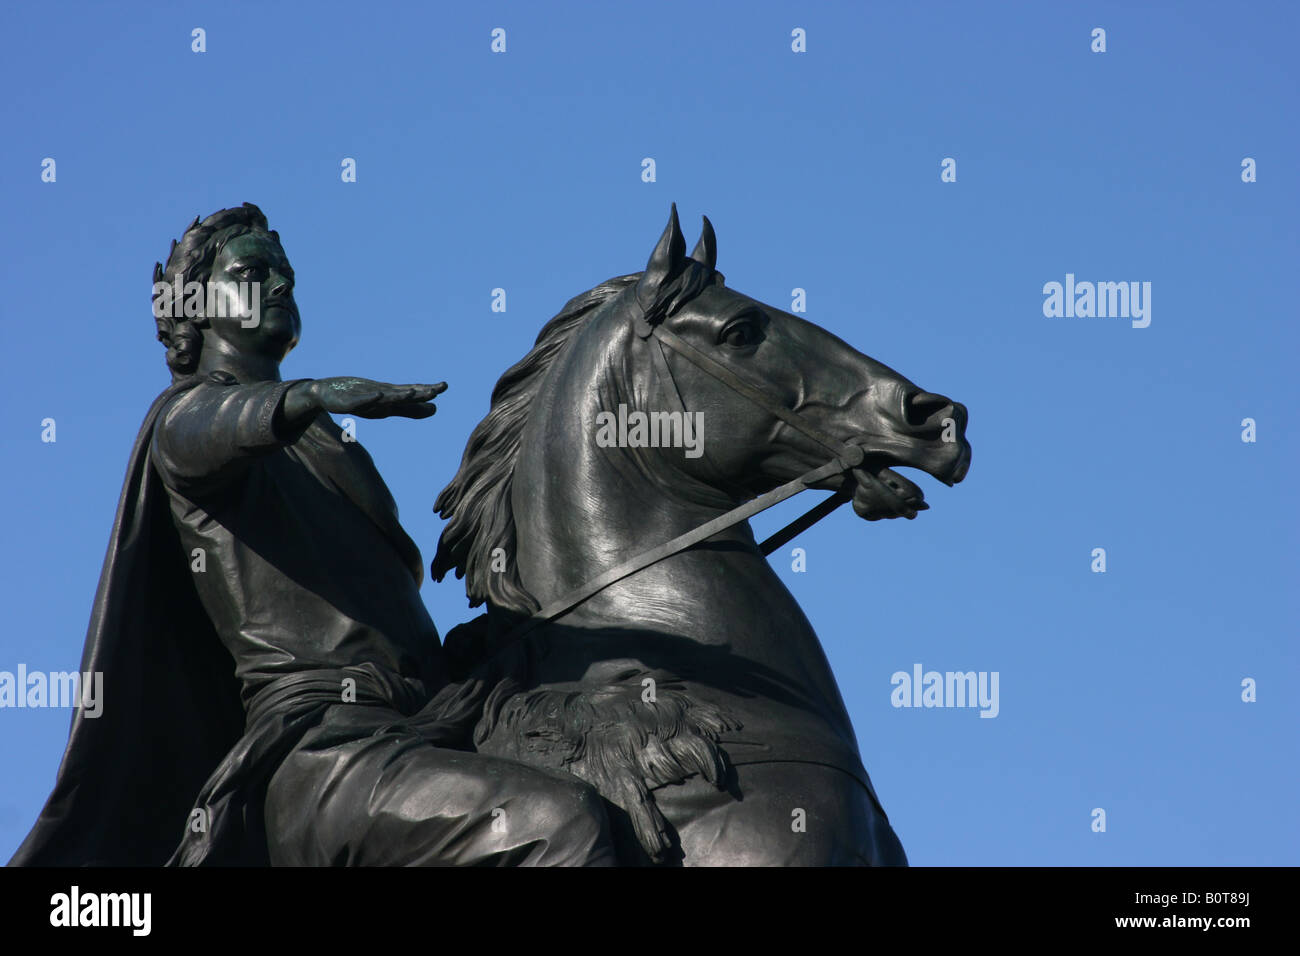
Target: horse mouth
{"type": "Point", "coordinates": [878, 491]}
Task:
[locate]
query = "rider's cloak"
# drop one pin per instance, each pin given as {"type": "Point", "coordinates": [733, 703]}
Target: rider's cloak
{"type": "Point", "coordinates": [126, 786]}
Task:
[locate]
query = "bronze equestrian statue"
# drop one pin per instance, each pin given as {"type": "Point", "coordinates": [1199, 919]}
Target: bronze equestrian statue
{"type": "Point", "coordinates": [642, 688]}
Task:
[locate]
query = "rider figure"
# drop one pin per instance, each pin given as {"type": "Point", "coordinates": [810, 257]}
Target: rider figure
{"type": "Point", "coordinates": [354, 748]}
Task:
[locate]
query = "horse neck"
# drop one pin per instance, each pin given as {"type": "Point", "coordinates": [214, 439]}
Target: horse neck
{"type": "Point", "coordinates": [580, 510]}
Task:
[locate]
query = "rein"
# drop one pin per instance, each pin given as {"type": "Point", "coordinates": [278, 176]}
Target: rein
{"type": "Point", "coordinates": [844, 457]}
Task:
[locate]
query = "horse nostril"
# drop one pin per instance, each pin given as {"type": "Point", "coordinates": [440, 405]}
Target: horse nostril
{"type": "Point", "coordinates": [920, 407]}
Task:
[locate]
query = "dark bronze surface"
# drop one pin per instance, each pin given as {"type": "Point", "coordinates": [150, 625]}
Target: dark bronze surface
{"type": "Point", "coordinates": [642, 687]}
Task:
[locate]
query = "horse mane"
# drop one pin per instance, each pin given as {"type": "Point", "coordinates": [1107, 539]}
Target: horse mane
{"type": "Point", "coordinates": [476, 503]}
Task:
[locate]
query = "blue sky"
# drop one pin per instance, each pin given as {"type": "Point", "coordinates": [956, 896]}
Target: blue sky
{"type": "Point", "coordinates": [820, 170]}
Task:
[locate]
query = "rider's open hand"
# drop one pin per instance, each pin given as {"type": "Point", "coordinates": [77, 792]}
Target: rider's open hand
{"type": "Point", "coordinates": [370, 399]}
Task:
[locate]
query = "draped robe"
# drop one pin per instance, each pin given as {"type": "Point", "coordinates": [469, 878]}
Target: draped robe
{"type": "Point", "coordinates": [275, 688]}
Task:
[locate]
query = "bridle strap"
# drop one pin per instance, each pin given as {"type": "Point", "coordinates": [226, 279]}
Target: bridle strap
{"type": "Point", "coordinates": [846, 457]}
{"type": "Point", "coordinates": [680, 543]}
{"type": "Point", "coordinates": [733, 381]}
{"type": "Point", "coordinates": [802, 523]}
{"type": "Point", "coordinates": [710, 366]}
{"type": "Point", "coordinates": [675, 396]}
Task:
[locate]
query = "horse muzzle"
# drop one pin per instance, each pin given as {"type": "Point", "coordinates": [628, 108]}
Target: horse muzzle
{"type": "Point", "coordinates": [929, 434]}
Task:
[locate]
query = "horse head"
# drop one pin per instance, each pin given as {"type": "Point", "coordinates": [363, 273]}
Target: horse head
{"type": "Point", "coordinates": [770, 395]}
{"type": "Point", "coordinates": [735, 362]}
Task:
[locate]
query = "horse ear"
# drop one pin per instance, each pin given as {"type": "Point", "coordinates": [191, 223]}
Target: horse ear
{"type": "Point", "coordinates": [665, 263]}
{"type": "Point", "coordinates": [706, 250]}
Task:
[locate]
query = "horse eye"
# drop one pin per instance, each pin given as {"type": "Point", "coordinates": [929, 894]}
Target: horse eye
{"type": "Point", "coordinates": [739, 334]}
